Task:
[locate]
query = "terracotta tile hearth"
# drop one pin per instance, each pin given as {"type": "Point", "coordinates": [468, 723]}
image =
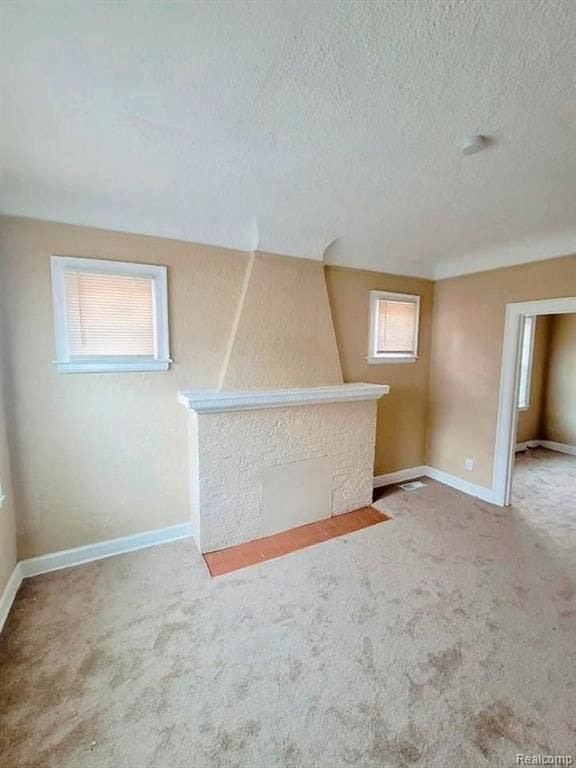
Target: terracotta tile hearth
{"type": "Point", "coordinates": [233, 558]}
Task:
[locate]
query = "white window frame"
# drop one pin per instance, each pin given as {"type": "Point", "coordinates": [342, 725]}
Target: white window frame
{"type": "Point", "coordinates": [101, 363]}
{"type": "Point", "coordinates": [530, 323]}
{"type": "Point", "coordinates": [375, 357]}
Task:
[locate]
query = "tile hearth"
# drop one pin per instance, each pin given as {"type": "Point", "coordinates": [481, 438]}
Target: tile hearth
{"type": "Point", "coordinates": [251, 552]}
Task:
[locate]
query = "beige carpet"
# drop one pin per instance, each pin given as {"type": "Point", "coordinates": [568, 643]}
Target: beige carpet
{"type": "Point", "coordinates": [544, 489]}
{"type": "Point", "coordinates": [443, 638]}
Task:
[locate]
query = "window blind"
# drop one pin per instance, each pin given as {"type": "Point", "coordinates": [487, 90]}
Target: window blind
{"type": "Point", "coordinates": [396, 326]}
{"type": "Point", "coordinates": [109, 315]}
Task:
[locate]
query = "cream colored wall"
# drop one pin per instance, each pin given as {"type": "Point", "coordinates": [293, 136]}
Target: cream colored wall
{"type": "Point", "coordinates": [559, 417]}
{"type": "Point", "coordinates": [401, 430]}
{"type": "Point", "coordinates": [529, 420]}
{"type": "Point", "coordinates": [284, 335]}
{"type": "Point", "coordinates": [467, 338]}
{"type": "Point", "coordinates": [7, 512]}
{"type": "Point", "coordinates": [98, 456]}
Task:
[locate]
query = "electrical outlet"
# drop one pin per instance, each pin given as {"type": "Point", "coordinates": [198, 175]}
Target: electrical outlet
{"type": "Point", "coordinates": [468, 464]}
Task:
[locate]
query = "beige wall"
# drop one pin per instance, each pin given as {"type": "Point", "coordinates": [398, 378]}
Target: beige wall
{"type": "Point", "coordinates": [559, 416]}
{"type": "Point", "coordinates": [97, 456]}
{"type": "Point", "coordinates": [468, 329]}
{"type": "Point", "coordinates": [400, 437]}
{"type": "Point", "coordinates": [283, 336]}
{"type": "Point", "coordinates": [529, 420]}
{"type": "Point", "coordinates": [7, 516]}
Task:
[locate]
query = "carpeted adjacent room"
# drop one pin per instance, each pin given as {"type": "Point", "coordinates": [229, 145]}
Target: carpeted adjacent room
{"type": "Point", "coordinates": [443, 637]}
{"type": "Point", "coordinates": [544, 487]}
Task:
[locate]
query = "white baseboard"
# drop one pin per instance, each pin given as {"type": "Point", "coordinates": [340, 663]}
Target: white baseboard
{"type": "Point", "coordinates": [560, 447]}
{"type": "Point", "coordinates": [479, 491]}
{"type": "Point", "coordinates": [550, 444]}
{"type": "Point", "coordinates": [527, 444]}
{"type": "Point", "coordinates": [9, 593]}
{"type": "Point", "coordinates": [402, 476]}
{"type": "Point", "coordinates": [34, 566]}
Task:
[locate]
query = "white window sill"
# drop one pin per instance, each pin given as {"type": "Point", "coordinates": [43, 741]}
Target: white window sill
{"type": "Point", "coordinates": [377, 360]}
{"type": "Point", "coordinates": [94, 366]}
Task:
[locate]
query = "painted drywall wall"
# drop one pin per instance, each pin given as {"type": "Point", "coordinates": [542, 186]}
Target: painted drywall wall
{"type": "Point", "coordinates": [7, 512]}
{"type": "Point", "coordinates": [401, 429]}
{"type": "Point", "coordinates": [283, 336]}
{"type": "Point", "coordinates": [529, 420]}
{"type": "Point", "coordinates": [559, 414]}
{"type": "Point", "coordinates": [98, 456]}
{"type": "Point", "coordinates": [467, 336]}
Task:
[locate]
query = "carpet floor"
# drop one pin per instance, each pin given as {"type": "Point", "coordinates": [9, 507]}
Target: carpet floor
{"type": "Point", "coordinates": [444, 638]}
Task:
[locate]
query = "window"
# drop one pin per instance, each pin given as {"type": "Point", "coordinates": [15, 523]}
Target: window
{"type": "Point", "coordinates": [393, 327]}
{"type": "Point", "coordinates": [109, 315]}
{"type": "Point", "coordinates": [526, 361]}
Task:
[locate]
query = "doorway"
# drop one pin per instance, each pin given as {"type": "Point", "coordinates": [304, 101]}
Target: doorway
{"type": "Point", "coordinates": [544, 473]}
{"type": "Point", "coordinates": [511, 379]}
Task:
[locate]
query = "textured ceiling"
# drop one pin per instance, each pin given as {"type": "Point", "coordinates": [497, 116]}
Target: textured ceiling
{"type": "Point", "coordinates": [318, 129]}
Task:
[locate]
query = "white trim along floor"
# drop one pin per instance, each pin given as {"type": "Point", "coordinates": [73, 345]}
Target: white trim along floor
{"type": "Point", "coordinates": [67, 558]}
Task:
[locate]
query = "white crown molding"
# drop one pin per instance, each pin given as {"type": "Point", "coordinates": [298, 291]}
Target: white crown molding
{"type": "Point", "coordinates": [511, 255]}
{"type": "Point", "coordinates": [395, 267]}
{"type": "Point", "coordinates": [216, 401]}
{"type": "Point", "coordinates": [514, 254]}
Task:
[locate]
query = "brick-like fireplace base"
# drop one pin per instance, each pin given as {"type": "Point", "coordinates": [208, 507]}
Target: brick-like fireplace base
{"type": "Point", "coordinates": [265, 461]}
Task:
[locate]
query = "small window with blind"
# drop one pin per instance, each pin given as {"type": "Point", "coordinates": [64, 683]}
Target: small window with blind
{"type": "Point", "coordinates": [109, 315]}
{"type": "Point", "coordinates": [394, 321]}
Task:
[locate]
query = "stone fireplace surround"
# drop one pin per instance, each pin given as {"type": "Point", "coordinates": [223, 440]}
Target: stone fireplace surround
{"type": "Point", "coordinates": [263, 461]}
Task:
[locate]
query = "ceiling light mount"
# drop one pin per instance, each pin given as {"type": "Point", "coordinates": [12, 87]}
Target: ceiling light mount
{"type": "Point", "coordinates": [474, 144]}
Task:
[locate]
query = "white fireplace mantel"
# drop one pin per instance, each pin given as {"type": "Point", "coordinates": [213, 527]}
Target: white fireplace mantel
{"type": "Point", "coordinates": [258, 467]}
{"type": "Point", "coordinates": [217, 401]}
